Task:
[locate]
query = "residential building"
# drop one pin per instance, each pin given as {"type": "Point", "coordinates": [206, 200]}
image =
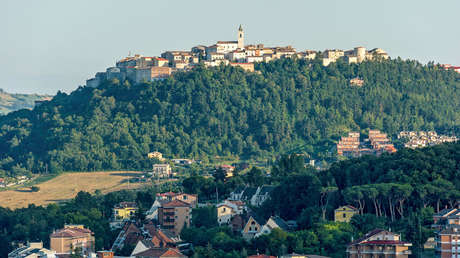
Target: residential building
{"type": "Point", "coordinates": [124, 210]}
{"type": "Point", "coordinates": [262, 194]}
{"type": "Point", "coordinates": [161, 170]}
{"type": "Point", "coordinates": [156, 155]}
{"type": "Point", "coordinates": [345, 213]}
{"type": "Point", "coordinates": [227, 209]}
{"type": "Point", "coordinates": [183, 161]}
{"type": "Point", "coordinates": [357, 82]}
{"type": "Point", "coordinates": [63, 241]}
{"type": "Point", "coordinates": [160, 62]}
{"type": "Point", "coordinates": [160, 252]}
{"type": "Point", "coordinates": [130, 234]}
{"type": "Point", "coordinates": [32, 250]}
{"type": "Point", "coordinates": [149, 74]}
{"type": "Point", "coordinates": [152, 213]}
{"type": "Point", "coordinates": [272, 223]}
{"type": "Point", "coordinates": [376, 144]}
{"type": "Point", "coordinates": [379, 243]}
{"type": "Point", "coordinates": [104, 254]}
{"type": "Point", "coordinates": [448, 242]}
{"type": "Point", "coordinates": [174, 215]}
{"type": "Point", "coordinates": [252, 227]}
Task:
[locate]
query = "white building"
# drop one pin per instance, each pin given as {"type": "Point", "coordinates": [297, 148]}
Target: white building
{"type": "Point", "coordinates": [161, 170]}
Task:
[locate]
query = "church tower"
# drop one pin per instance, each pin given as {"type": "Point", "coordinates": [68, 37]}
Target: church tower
{"type": "Point", "coordinates": [240, 38]}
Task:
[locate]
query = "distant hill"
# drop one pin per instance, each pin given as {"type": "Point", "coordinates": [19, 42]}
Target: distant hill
{"type": "Point", "coordinates": [288, 105]}
{"type": "Point", "coordinates": [11, 102]}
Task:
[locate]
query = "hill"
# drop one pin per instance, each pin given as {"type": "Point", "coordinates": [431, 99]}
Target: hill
{"type": "Point", "coordinates": [10, 102]}
{"type": "Point", "coordinates": [286, 105]}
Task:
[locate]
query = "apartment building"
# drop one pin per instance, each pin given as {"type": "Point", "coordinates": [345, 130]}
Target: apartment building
{"type": "Point", "coordinates": [63, 241]}
{"type": "Point", "coordinates": [379, 243]}
{"type": "Point", "coordinates": [174, 215]}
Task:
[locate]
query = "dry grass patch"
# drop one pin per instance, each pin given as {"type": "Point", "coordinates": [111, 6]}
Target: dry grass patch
{"type": "Point", "coordinates": [66, 186]}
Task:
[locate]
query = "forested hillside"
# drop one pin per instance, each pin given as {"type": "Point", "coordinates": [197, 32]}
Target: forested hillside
{"type": "Point", "coordinates": [11, 102]}
{"type": "Point", "coordinates": [287, 105]}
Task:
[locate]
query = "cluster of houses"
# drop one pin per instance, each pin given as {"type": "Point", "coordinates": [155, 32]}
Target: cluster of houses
{"type": "Point", "coordinates": [422, 139]}
{"type": "Point", "coordinates": [13, 181]}
{"type": "Point", "coordinates": [140, 68]}
{"type": "Point", "coordinates": [376, 144]}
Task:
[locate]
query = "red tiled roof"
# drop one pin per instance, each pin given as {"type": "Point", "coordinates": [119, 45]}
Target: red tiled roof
{"type": "Point", "coordinates": [161, 252]}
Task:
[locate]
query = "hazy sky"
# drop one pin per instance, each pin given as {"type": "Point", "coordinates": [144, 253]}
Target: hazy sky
{"type": "Point", "coordinates": [46, 46]}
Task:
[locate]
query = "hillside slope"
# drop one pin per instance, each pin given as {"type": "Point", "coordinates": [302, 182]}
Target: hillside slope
{"type": "Point", "coordinates": [10, 102]}
{"type": "Point", "coordinates": [288, 104]}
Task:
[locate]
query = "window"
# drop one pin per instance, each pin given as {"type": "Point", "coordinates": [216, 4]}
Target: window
{"type": "Point", "coordinates": [344, 215]}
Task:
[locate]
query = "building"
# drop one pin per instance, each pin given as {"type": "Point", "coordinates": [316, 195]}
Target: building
{"type": "Point", "coordinates": [161, 170]}
{"type": "Point", "coordinates": [448, 242]}
{"type": "Point", "coordinates": [379, 243]}
{"type": "Point", "coordinates": [63, 241]}
{"type": "Point", "coordinates": [149, 74]}
{"type": "Point", "coordinates": [294, 255]}
{"type": "Point", "coordinates": [252, 227]}
{"type": "Point", "coordinates": [174, 215]}
{"type": "Point", "coordinates": [152, 213]}
{"type": "Point", "coordinates": [227, 209]}
{"type": "Point", "coordinates": [356, 82]}
{"type": "Point", "coordinates": [261, 195]}
{"type": "Point", "coordinates": [272, 223]}
{"type": "Point", "coordinates": [240, 37]}
{"type": "Point", "coordinates": [261, 256]}
{"type": "Point", "coordinates": [160, 252]}
{"type": "Point", "coordinates": [124, 210]}
{"type": "Point", "coordinates": [129, 234]}
{"type": "Point", "coordinates": [104, 254]}
{"type": "Point", "coordinates": [345, 213]}
{"type": "Point", "coordinates": [156, 155]}
{"type": "Point", "coordinates": [32, 250]}
{"type": "Point", "coordinates": [249, 67]}
{"type": "Point", "coordinates": [376, 144]}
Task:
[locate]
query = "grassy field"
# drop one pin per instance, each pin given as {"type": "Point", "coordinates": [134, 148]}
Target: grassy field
{"type": "Point", "coordinates": [66, 186]}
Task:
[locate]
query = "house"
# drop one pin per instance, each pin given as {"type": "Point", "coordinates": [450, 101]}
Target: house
{"type": "Point", "coordinates": [130, 234]}
{"type": "Point", "coordinates": [32, 250]}
{"type": "Point", "coordinates": [262, 194]}
{"type": "Point", "coordinates": [161, 170]}
{"type": "Point", "coordinates": [160, 62]}
{"type": "Point", "coordinates": [227, 169]}
{"type": "Point", "coordinates": [252, 227]}
{"type": "Point", "coordinates": [447, 242]}
{"type": "Point", "coordinates": [155, 155]}
{"type": "Point", "coordinates": [227, 209]}
{"type": "Point", "coordinates": [124, 210]}
{"type": "Point", "coordinates": [151, 73]}
{"type": "Point", "coordinates": [357, 82]}
{"type": "Point", "coordinates": [63, 241]}
{"type": "Point", "coordinates": [104, 254]}
{"type": "Point", "coordinates": [160, 237]}
{"type": "Point", "coordinates": [175, 215]}
{"type": "Point", "coordinates": [379, 243]}
{"type": "Point", "coordinates": [160, 252]}
{"type": "Point", "coordinates": [272, 223]}
{"type": "Point", "coordinates": [152, 213]}
{"type": "Point", "coordinates": [183, 161]}
{"type": "Point", "coordinates": [344, 213]}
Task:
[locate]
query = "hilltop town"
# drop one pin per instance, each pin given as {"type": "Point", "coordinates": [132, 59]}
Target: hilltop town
{"type": "Point", "coordinates": [139, 68]}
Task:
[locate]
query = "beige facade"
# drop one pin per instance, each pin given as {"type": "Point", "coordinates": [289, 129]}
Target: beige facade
{"type": "Point", "coordinates": [379, 243]}
{"type": "Point", "coordinates": [174, 216]}
{"type": "Point", "coordinates": [162, 170]}
{"type": "Point", "coordinates": [65, 240]}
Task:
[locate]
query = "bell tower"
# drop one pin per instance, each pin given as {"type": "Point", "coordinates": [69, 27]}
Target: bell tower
{"type": "Point", "coordinates": [240, 38]}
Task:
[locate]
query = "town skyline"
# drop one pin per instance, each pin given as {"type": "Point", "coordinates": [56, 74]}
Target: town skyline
{"type": "Point", "coordinates": [75, 56]}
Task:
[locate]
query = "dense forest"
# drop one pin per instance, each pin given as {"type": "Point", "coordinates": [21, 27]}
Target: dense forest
{"type": "Point", "coordinates": [411, 185]}
{"type": "Point", "coordinates": [286, 106]}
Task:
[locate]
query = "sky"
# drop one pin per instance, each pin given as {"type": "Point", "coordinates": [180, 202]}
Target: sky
{"type": "Point", "coordinates": [52, 45]}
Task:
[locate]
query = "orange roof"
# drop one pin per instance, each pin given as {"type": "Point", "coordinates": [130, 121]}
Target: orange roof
{"type": "Point", "coordinates": [71, 232]}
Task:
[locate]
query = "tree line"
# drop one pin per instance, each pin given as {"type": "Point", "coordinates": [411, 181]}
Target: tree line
{"type": "Point", "coordinates": [287, 106]}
